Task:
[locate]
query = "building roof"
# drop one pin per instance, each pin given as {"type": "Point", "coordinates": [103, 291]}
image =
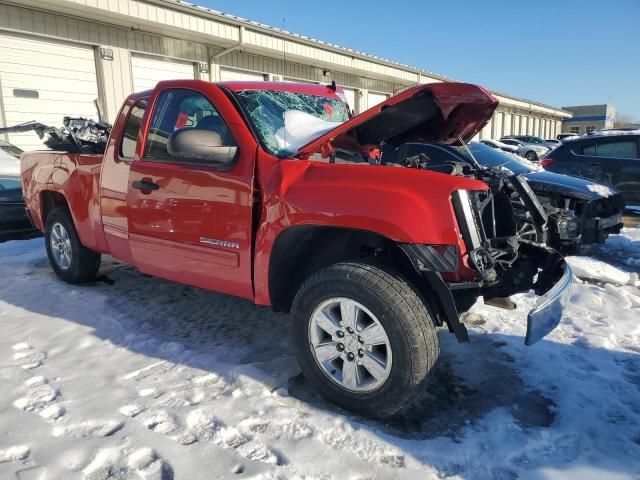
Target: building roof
{"type": "Point", "coordinates": [234, 19]}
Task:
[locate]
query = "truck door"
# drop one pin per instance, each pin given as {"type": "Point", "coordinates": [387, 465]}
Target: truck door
{"type": "Point", "coordinates": [190, 216]}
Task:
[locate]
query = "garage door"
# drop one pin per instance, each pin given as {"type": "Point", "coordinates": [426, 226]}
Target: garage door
{"type": "Point", "coordinates": [45, 80]}
{"type": "Point", "coordinates": [148, 71]}
{"type": "Point", "coordinates": [350, 95]}
{"type": "Point", "coordinates": [228, 75]}
{"type": "Point", "coordinates": [374, 98]}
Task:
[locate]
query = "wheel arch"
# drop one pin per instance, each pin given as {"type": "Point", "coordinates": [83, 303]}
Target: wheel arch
{"type": "Point", "coordinates": [50, 200]}
{"type": "Point", "coordinates": [301, 250]}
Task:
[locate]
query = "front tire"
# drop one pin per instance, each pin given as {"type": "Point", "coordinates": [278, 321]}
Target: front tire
{"type": "Point", "coordinates": [363, 338]}
{"type": "Point", "coordinates": [70, 260]}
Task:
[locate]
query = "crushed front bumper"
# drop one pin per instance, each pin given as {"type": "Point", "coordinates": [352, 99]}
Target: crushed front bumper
{"type": "Point", "coordinates": [547, 313]}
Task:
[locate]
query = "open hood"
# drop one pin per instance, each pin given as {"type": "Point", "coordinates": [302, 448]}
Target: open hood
{"type": "Point", "coordinates": [437, 112]}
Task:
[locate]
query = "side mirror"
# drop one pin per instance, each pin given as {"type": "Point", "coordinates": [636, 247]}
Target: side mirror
{"type": "Point", "coordinates": [200, 146]}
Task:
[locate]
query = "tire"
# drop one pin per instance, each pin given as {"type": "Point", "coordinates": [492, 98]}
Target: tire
{"type": "Point", "coordinates": [78, 264]}
{"type": "Point", "coordinates": [411, 347]}
{"type": "Point", "coordinates": [531, 156]}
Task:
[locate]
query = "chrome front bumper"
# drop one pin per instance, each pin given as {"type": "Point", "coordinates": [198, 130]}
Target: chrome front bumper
{"type": "Point", "coordinates": [547, 313]}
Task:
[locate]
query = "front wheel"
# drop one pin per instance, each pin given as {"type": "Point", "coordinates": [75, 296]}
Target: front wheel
{"type": "Point", "coordinates": [69, 259]}
{"type": "Point", "coordinates": [363, 337]}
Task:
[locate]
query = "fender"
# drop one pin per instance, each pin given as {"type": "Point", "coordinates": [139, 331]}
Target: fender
{"type": "Point", "coordinates": [74, 176]}
{"type": "Point", "coordinates": [402, 204]}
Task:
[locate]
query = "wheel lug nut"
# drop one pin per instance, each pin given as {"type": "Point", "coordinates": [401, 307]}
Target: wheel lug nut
{"type": "Point", "coordinates": [340, 347]}
{"type": "Point", "coordinates": [360, 339]}
{"type": "Point", "coordinates": [351, 356]}
{"type": "Point", "coordinates": [340, 334]}
{"type": "Point", "coordinates": [349, 329]}
{"type": "Point", "coordinates": [360, 352]}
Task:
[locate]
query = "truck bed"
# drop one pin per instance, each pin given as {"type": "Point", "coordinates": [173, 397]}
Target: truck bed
{"type": "Point", "coordinates": [50, 177]}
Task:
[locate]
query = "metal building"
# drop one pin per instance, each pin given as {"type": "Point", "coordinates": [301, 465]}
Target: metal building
{"type": "Point", "coordinates": [588, 118]}
{"type": "Point", "coordinates": [58, 56]}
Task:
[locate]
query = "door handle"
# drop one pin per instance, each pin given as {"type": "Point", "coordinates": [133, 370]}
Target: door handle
{"type": "Point", "coordinates": [145, 185]}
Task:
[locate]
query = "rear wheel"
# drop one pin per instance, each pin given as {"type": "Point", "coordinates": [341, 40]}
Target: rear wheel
{"type": "Point", "coordinates": [69, 259]}
{"type": "Point", "coordinates": [531, 156]}
{"type": "Point", "coordinates": [363, 337]}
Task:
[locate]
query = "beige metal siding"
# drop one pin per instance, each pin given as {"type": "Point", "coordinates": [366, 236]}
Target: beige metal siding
{"type": "Point", "coordinates": [236, 75]}
{"type": "Point", "coordinates": [62, 74]}
{"type": "Point", "coordinates": [506, 128]}
{"type": "Point", "coordinates": [497, 125]}
{"type": "Point", "coordinates": [485, 133]}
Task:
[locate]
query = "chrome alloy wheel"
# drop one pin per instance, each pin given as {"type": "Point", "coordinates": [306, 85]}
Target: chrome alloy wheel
{"type": "Point", "coordinates": [60, 246]}
{"type": "Point", "coordinates": [350, 345]}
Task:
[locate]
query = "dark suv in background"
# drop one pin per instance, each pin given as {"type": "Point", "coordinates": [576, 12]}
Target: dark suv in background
{"type": "Point", "coordinates": [610, 158]}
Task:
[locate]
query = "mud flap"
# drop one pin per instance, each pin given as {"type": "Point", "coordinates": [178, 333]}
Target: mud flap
{"type": "Point", "coordinates": [448, 306]}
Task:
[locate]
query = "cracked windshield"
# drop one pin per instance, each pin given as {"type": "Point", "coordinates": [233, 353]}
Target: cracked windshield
{"type": "Point", "coordinates": [285, 121]}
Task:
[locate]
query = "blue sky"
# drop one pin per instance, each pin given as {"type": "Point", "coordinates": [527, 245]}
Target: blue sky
{"type": "Point", "coordinates": [560, 52]}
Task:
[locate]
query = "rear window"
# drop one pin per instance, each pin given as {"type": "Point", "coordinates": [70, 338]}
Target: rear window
{"type": "Point", "coordinates": [131, 129]}
{"type": "Point", "coordinates": [619, 149]}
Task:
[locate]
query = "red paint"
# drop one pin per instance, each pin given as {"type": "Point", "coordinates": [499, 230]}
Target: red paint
{"type": "Point", "coordinates": [546, 162]}
{"type": "Point", "coordinates": [171, 232]}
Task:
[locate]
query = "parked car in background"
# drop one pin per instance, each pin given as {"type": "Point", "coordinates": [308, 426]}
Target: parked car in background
{"type": "Point", "coordinates": [531, 139]}
{"type": "Point", "coordinates": [552, 142]}
{"type": "Point", "coordinates": [14, 223]}
{"type": "Point", "coordinates": [562, 136]}
{"type": "Point", "coordinates": [611, 158]}
{"type": "Point", "coordinates": [500, 146]}
{"type": "Point", "coordinates": [579, 212]}
{"type": "Point", "coordinates": [8, 155]}
{"type": "Point", "coordinates": [531, 152]}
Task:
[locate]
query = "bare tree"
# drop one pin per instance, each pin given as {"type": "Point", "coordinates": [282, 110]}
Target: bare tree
{"type": "Point", "coordinates": [623, 120]}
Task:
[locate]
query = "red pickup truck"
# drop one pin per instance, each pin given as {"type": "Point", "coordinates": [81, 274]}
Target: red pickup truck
{"type": "Point", "coordinates": [274, 192]}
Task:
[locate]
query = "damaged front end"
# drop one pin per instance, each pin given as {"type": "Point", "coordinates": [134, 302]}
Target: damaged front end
{"type": "Point", "coordinates": [504, 230]}
{"type": "Point", "coordinates": [508, 258]}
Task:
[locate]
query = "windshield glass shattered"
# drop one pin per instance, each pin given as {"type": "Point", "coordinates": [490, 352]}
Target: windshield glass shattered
{"type": "Point", "coordinates": [285, 121]}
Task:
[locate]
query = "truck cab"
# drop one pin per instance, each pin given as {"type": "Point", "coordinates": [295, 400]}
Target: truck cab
{"type": "Point", "coordinates": [275, 193]}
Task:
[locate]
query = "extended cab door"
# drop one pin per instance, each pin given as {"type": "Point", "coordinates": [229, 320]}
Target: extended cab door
{"type": "Point", "coordinates": [190, 218]}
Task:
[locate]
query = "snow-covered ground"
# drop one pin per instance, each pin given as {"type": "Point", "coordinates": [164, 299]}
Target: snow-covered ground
{"type": "Point", "coordinates": [136, 377]}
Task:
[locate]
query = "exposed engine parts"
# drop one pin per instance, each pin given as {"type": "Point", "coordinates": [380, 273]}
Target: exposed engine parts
{"type": "Point", "coordinates": [77, 135]}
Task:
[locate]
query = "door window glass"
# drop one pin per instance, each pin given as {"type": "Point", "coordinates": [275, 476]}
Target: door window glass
{"type": "Point", "coordinates": [622, 149]}
{"type": "Point", "coordinates": [589, 150]}
{"type": "Point", "coordinates": [131, 129]}
{"type": "Point", "coordinates": [178, 109]}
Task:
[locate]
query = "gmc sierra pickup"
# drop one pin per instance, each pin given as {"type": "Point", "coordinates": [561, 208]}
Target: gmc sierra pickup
{"type": "Point", "coordinates": [275, 193]}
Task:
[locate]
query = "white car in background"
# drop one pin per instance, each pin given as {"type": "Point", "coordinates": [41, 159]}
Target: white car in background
{"type": "Point", "coordinates": [500, 146]}
{"type": "Point", "coordinates": [530, 151]}
{"type": "Point", "coordinates": [9, 159]}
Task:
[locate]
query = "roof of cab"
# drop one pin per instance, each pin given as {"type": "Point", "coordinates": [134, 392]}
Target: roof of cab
{"type": "Point", "coordinates": [321, 90]}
